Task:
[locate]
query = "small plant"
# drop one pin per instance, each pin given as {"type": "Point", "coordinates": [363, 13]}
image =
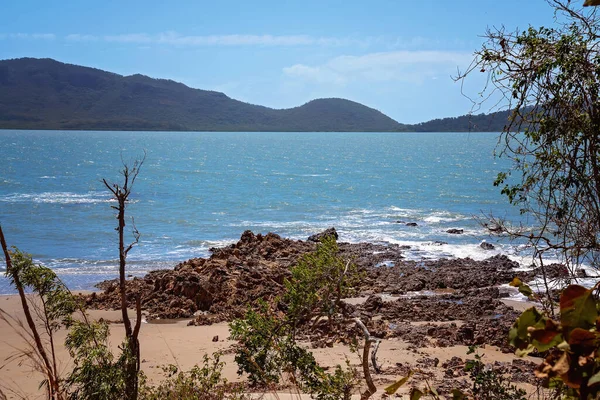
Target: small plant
{"type": "Point", "coordinates": [95, 373]}
{"type": "Point", "coordinates": [203, 382]}
{"type": "Point", "coordinates": [318, 284]}
{"type": "Point", "coordinates": [260, 335]}
{"type": "Point", "coordinates": [267, 348]}
{"type": "Point", "coordinates": [489, 384]}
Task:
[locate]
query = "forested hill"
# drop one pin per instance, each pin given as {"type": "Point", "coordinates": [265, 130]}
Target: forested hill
{"type": "Point", "coordinates": [47, 94]}
{"type": "Point", "coordinates": [493, 122]}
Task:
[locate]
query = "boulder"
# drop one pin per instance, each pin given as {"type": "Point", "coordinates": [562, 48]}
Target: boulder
{"type": "Point", "coordinates": [486, 246]}
{"type": "Point", "coordinates": [319, 236]}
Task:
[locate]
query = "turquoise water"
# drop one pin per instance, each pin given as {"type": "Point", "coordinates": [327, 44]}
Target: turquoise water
{"type": "Point", "coordinates": [198, 190]}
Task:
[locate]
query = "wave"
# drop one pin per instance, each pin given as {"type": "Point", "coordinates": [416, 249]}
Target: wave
{"type": "Point", "coordinates": [57, 198]}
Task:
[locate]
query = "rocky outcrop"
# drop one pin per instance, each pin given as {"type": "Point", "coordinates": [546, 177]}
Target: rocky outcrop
{"type": "Point", "coordinates": [221, 287]}
{"type": "Point", "coordinates": [330, 232]}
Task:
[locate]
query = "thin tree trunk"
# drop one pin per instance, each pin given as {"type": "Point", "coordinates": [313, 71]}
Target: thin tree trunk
{"type": "Point", "coordinates": [53, 385]}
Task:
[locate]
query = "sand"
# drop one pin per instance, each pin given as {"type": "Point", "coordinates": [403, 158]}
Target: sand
{"type": "Point", "coordinates": [173, 342]}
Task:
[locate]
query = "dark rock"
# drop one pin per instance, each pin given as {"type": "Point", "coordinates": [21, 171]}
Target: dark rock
{"type": "Point", "coordinates": [455, 231]}
{"type": "Point", "coordinates": [319, 236]}
{"type": "Point", "coordinates": [486, 246]}
{"type": "Point", "coordinates": [372, 304]}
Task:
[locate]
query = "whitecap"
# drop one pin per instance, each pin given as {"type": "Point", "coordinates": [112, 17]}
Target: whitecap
{"type": "Point", "coordinates": [57, 198]}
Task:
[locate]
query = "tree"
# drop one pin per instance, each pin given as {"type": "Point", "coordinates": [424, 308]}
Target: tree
{"type": "Point", "coordinates": [550, 79]}
{"type": "Point", "coordinates": [121, 193]}
{"type": "Point", "coordinates": [53, 308]}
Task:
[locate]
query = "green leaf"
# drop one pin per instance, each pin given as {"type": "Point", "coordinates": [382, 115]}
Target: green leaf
{"type": "Point", "coordinates": [518, 335]}
{"type": "Point", "coordinates": [595, 379]}
{"type": "Point", "coordinates": [525, 290]}
{"type": "Point", "coordinates": [393, 388]}
{"type": "Point", "coordinates": [458, 395]}
{"type": "Point", "coordinates": [416, 394]}
{"type": "Point", "coordinates": [516, 282]}
{"type": "Point", "coordinates": [577, 308]}
{"type": "Point", "coordinates": [525, 352]}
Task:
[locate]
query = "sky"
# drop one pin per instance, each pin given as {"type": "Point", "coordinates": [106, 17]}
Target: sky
{"type": "Point", "coordinates": [397, 56]}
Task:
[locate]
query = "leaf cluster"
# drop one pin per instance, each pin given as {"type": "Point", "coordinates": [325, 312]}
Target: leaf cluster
{"type": "Point", "coordinates": [318, 283]}
{"type": "Point", "coordinates": [549, 78]}
{"type": "Point", "coordinates": [572, 344]}
{"type": "Point", "coordinates": [267, 349]}
{"type": "Point", "coordinates": [57, 302]}
{"type": "Point", "coordinates": [202, 382]}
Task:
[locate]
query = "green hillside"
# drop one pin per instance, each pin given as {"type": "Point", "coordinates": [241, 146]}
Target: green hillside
{"type": "Point", "coordinates": [47, 94]}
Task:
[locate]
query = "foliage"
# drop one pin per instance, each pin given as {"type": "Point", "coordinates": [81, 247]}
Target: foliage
{"type": "Point", "coordinates": [96, 374]}
{"type": "Point", "coordinates": [492, 122]}
{"type": "Point", "coordinates": [52, 305]}
{"type": "Point", "coordinates": [57, 303]}
{"type": "Point", "coordinates": [259, 335]}
{"type": "Point", "coordinates": [203, 382]}
{"type": "Point", "coordinates": [319, 282]}
{"type": "Point", "coordinates": [488, 384]}
{"type": "Point", "coordinates": [550, 79]}
{"type": "Point", "coordinates": [267, 347]}
{"type": "Point", "coordinates": [572, 343]}
{"type": "Point", "coordinates": [267, 351]}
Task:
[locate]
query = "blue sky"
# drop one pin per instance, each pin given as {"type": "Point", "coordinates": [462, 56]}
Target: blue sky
{"type": "Point", "coordinates": [396, 55]}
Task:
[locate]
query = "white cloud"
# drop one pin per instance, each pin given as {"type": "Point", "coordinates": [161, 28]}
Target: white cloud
{"type": "Point", "coordinates": [176, 39]}
{"type": "Point", "coordinates": [412, 66]}
{"type": "Point", "coordinates": [136, 38]}
{"type": "Point", "coordinates": [77, 37]}
{"type": "Point", "coordinates": [28, 36]}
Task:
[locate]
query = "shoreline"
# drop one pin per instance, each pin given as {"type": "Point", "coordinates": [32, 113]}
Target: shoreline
{"type": "Point", "coordinates": [430, 333]}
{"type": "Point", "coordinates": [176, 343]}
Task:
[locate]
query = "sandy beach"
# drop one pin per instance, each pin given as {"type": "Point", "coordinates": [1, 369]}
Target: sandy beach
{"type": "Point", "coordinates": [173, 342]}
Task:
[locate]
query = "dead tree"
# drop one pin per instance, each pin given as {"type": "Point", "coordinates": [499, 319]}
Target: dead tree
{"type": "Point", "coordinates": [121, 194]}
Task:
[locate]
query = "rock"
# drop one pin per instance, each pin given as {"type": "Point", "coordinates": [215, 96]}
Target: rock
{"type": "Point", "coordinates": [486, 246]}
{"type": "Point", "coordinates": [455, 231]}
{"type": "Point", "coordinates": [319, 236]}
{"type": "Point", "coordinates": [215, 338]}
{"type": "Point", "coordinates": [373, 304]}
{"type": "Point", "coordinates": [411, 224]}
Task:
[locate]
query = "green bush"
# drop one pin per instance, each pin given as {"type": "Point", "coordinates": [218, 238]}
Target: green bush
{"type": "Point", "coordinates": [267, 348]}
{"type": "Point", "coordinates": [203, 382]}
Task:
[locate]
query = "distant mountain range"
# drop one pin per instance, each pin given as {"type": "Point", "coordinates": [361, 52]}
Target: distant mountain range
{"type": "Point", "coordinates": [47, 94]}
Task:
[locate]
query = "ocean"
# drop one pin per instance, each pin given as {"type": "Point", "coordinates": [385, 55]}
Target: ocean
{"type": "Point", "coordinates": [197, 190]}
